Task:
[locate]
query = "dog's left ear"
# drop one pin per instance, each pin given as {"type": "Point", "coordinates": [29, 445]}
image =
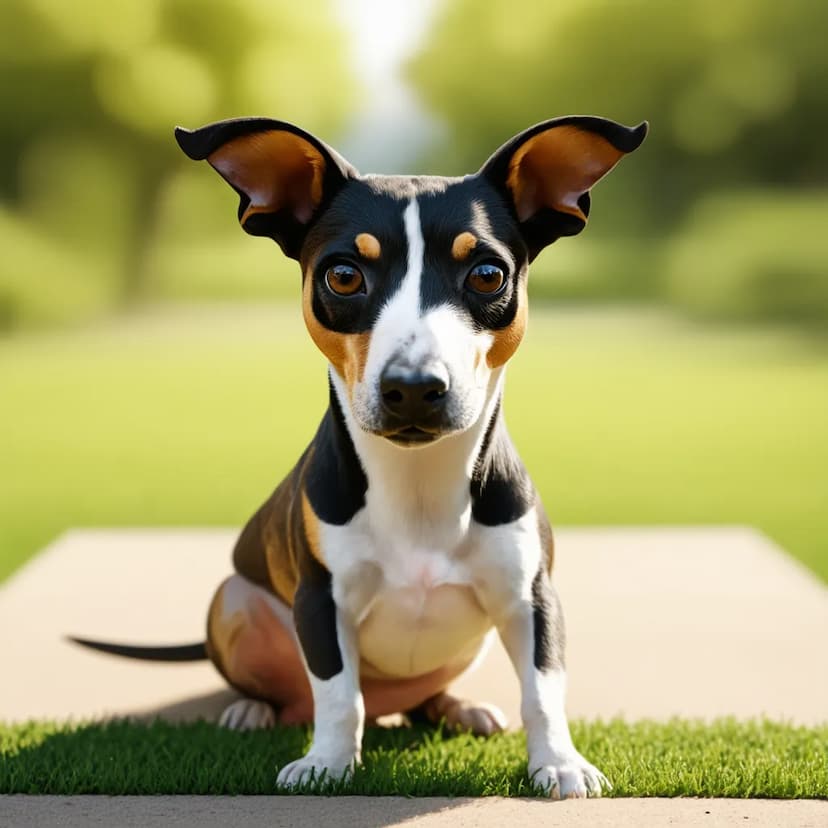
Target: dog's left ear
{"type": "Point", "coordinates": [546, 172]}
{"type": "Point", "coordinates": [284, 176]}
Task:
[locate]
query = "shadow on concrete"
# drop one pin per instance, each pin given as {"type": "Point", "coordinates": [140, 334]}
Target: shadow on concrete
{"type": "Point", "coordinates": [207, 707]}
{"type": "Point", "coordinates": [250, 811]}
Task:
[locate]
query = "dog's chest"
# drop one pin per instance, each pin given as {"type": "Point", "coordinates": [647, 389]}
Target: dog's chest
{"type": "Point", "coordinates": [423, 616]}
{"type": "Point", "coordinates": [411, 594]}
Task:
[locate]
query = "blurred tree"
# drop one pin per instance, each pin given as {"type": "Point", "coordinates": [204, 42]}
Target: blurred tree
{"type": "Point", "coordinates": [736, 95]}
{"type": "Point", "coordinates": [90, 93]}
{"type": "Point", "coordinates": [735, 92]}
{"type": "Point", "coordinates": [728, 261]}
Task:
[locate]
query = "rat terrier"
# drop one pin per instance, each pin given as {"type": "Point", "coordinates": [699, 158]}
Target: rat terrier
{"type": "Point", "coordinates": [409, 528]}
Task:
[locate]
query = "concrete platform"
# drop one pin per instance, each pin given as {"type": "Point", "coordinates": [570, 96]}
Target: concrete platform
{"type": "Point", "coordinates": [698, 622]}
{"type": "Point", "coordinates": [425, 812]}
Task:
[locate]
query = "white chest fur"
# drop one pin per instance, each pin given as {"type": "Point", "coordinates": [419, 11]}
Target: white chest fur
{"type": "Point", "coordinates": [424, 595]}
{"type": "Point", "coordinates": [409, 589]}
{"type": "Point", "coordinates": [411, 569]}
{"type": "Point", "coordinates": [411, 632]}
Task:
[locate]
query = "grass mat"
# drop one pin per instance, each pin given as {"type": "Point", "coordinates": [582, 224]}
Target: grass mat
{"type": "Point", "coordinates": [679, 758]}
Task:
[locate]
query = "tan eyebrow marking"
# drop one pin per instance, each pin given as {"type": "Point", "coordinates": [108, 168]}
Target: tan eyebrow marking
{"type": "Point", "coordinates": [463, 245]}
{"type": "Point", "coordinates": [368, 246]}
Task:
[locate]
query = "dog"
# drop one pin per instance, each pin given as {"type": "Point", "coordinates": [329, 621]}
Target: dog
{"type": "Point", "coordinates": [373, 575]}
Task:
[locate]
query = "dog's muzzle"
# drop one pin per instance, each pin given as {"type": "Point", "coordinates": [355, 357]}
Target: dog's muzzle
{"type": "Point", "coordinates": [414, 402]}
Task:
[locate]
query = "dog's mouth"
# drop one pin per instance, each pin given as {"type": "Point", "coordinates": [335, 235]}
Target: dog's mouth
{"type": "Point", "coordinates": [411, 435]}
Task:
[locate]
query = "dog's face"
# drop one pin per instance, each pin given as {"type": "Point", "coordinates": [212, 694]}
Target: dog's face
{"type": "Point", "coordinates": [414, 288]}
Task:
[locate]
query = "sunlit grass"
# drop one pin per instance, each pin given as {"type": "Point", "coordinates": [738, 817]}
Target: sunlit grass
{"type": "Point", "coordinates": [185, 417]}
{"type": "Point", "coordinates": [678, 758]}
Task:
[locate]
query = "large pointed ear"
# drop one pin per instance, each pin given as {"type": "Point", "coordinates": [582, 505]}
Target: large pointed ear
{"type": "Point", "coordinates": [284, 176]}
{"type": "Point", "coordinates": [546, 172]}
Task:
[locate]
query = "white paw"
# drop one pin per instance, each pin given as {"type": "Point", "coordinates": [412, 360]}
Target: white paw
{"type": "Point", "coordinates": [478, 717]}
{"type": "Point", "coordinates": [315, 768]}
{"type": "Point", "coordinates": [248, 714]}
{"type": "Point", "coordinates": [570, 778]}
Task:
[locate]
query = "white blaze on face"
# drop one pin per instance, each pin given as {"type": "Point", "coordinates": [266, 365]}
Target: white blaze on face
{"type": "Point", "coordinates": [409, 296]}
{"type": "Point", "coordinates": [440, 338]}
{"type": "Point", "coordinates": [398, 319]}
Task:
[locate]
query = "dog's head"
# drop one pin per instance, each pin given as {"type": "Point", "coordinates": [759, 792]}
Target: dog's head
{"type": "Point", "coordinates": [414, 288]}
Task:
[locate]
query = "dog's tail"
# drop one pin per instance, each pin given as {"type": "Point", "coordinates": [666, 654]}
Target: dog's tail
{"type": "Point", "coordinates": [176, 652]}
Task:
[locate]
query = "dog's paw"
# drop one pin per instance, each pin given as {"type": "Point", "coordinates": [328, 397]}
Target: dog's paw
{"type": "Point", "coordinates": [248, 714]}
{"type": "Point", "coordinates": [315, 768]}
{"type": "Point", "coordinates": [479, 718]}
{"type": "Point", "coordinates": [571, 778]}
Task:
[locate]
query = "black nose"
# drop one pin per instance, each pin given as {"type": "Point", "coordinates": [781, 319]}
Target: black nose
{"type": "Point", "coordinates": [413, 396]}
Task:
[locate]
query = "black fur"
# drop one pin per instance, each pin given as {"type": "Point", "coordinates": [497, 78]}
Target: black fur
{"type": "Point", "coordinates": [359, 208]}
{"type": "Point", "coordinates": [175, 652]}
{"type": "Point", "coordinates": [376, 206]}
{"type": "Point", "coordinates": [336, 482]}
{"type": "Point", "coordinates": [314, 615]}
{"type": "Point", "coordinates": [501, 490]}
{"type": "Point", "coordinates": [550, 637]}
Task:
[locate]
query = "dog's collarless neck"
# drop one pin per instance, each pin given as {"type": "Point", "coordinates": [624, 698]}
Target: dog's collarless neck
{"type": "Point", "coordinates": [477, 470]}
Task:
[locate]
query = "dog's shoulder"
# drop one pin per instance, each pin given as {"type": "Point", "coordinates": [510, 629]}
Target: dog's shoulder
{"type": "Point", "coordinates": [334, 480]}
{"type": "Point", "coordinates": [327, 484]}
{"type": "Point", "coordinates": [501, 489]}
{"type": "Point", "coordinates": [267, 549]}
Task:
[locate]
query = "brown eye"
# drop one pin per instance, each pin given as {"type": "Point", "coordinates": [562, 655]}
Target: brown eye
{"type": "Point", "coordinates": [344, 280]}
{"type": "Point", "coordinates": [487, 279]}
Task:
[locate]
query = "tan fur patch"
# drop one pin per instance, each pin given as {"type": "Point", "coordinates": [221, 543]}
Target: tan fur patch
{"type": "Point", "coordinates": [507, 339]}
{"type": "Point", "coordinates": [275, 169]}
{"type": "Point", "coordinates": [251, 645]}
{"type": "Point", "coordinates": [368, 246]}
{"type": "Point", "coordinates": [280, 564]}
{"type": "Point", "coordinates": [346, 352]}
{"type": "Point", "coordinates": [311, 522]}
{"type": "Point", "coordinates": [555, 168]}
{"type": "Point", "coordinates": [463, 245]}
{"type": "Point", "coordinates": [222, 631]}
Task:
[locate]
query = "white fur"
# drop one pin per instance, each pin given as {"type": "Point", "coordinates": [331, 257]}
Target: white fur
{"type": "Point", "coordinates": [401, 313]}
{"type": "Point", "coordinates": [509, 557]}
{"type": "Point", "coordinates": [339, 718]}
{"type": "Point", "coordinates": [410, 296]}
{"type": "Point", "coordinates": [248, 714]}
{"type": "Point", "coordinates": [439, 340]}
{"type": "Point", "coordinates": [402, 567]}
{"type": "Point", "coordinates": [437, 583]}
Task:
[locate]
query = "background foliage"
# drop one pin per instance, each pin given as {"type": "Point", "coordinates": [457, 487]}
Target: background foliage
{"type": "Point", "coordinates": [719, 214]}
{"type": "Point", "coordinates": [736, 97]}
{"type": "Point", "coordinates": [98, 207]}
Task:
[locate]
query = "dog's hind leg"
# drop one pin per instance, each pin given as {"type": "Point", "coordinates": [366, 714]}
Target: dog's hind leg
{"type": "Point", "coordinates": [252, 642]}
{"type": "Point", "coordinates": [251, 639]}
{"type": "Point", "coordinates": [479, 718]}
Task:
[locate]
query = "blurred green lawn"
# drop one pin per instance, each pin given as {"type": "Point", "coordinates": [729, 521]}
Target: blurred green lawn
{"type": "Point", "coordinates": [187, 416]}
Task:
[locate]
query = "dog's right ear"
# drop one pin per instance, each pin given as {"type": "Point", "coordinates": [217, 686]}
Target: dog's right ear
{"type": "Point", "coordinates": [284, 176]}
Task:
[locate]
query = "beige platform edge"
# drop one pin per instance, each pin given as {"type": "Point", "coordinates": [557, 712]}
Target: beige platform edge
{"type": "Point", "coordinates": [424, 812]}
{"type": "Point", "coordinates": [698, 622]}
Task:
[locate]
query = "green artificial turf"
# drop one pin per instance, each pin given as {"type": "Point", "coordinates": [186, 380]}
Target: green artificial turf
{"type": "Point", "coordinates": [678, 758]}
{"type": "Point", "coordinates": [181, 417]}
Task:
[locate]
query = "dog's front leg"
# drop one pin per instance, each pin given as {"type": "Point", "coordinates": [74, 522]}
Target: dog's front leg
{"type": "Point", "coordinates": [328, 641]}
{"type": "Point", "coordinates": [533, 635]}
